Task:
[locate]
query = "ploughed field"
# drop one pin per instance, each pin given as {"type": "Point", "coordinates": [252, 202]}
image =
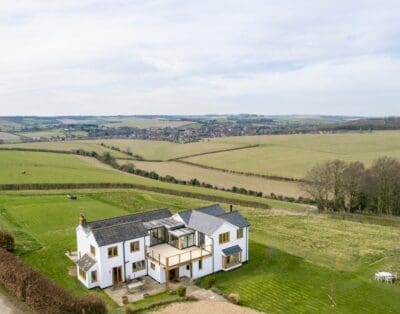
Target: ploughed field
{"type": "Point", "coordinates": [292, 264]}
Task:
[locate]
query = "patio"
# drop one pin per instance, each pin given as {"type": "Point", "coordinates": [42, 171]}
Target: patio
{"type": "Point", "coordinates": [149, 287]}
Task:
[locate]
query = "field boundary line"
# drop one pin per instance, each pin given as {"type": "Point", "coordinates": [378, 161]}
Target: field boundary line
{"type": "Point", "coordinates": [250, 174]}
{"type": "Point", "coordinates": [73, 186]}
{"type": "Point", "coordinates": [213, 152]}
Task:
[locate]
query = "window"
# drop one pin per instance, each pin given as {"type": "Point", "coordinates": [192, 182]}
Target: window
{"type": "Point", "coordinates": [94, 276]}
{"type": "Point", "coordinates": [187, 266]}
{"type": "Point", "coordinates": [82, 274]}
{"type": "Point", "coordinates": [200, 264]}
{"type": "Point", "coordinates": [153, 266]}
{"type": "Point", "coordinates": [137, 266]}
{"type": "Point", "coordinates": [239, 233]}
{"type": "Point", "coordinates": [224, 238]}
{"type": "Point", "coordinates": [187, 241]}
{"type": "Point", "coordinates": [92, 250]}
{"type": "Point", "coordinates": [112, 251]}
{"type": "Point", "coordinates": [157, 236]}
{"type": "Point", "coordinates": [135, 246]}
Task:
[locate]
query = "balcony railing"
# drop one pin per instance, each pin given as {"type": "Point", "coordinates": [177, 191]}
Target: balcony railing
{"type": "Point", "coordinates": [180, 258]}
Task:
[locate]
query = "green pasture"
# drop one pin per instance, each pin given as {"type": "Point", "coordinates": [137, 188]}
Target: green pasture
{"type": "Point", "coordinates": [148, 123]}
{"type": "Point", "coordinates": [292, 155]}
{"type": "Point", "coordinates": [152, 150]}
{"type": "Point", "coordinates": [63, 168]}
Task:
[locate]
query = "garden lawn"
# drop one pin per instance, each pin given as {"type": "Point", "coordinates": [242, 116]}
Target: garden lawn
{"type": "Point", "coordinates": [340, 244]}
{"type": "Point", "coordinates": [276, 282]}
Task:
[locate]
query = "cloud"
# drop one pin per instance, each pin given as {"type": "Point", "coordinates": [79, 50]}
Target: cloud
{"type": "Point", "coordinates": [167, 56]}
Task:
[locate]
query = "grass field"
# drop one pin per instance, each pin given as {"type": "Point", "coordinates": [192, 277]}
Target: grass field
{"type": "Point", "coordinates": [153, 150]}
{"type": "Point", "coordinates": [292, 155]}
{"type": "Point", "coordinates": [8, 137]}
{"type": "Point", "coordinates": [221, 179]}
{"type": "Point", "coordinates": [276, 282]}
{"type": "Point", "coordinates": [62, 168]}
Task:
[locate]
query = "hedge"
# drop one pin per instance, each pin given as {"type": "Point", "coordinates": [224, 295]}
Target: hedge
{"type": "Point", "coordinates": [40, 293]}
{"type": "Point", "coordinates": [7, 241]}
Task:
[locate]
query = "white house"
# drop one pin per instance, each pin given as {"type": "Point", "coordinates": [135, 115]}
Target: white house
{"type": "Point", "coordinates": [193, 243]}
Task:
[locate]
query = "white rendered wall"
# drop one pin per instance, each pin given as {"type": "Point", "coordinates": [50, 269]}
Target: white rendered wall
{"type": "Point", "coordinates": [226, 227]}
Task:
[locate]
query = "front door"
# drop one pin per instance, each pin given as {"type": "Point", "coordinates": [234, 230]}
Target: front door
{"type": "Point", "coordinates": [117, 275]}
{"type": "Point", "coordinates": [174, 274]}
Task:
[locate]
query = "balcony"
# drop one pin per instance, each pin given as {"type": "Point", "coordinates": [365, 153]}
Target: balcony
{"type": "Point", "coordinates": [168, 256]}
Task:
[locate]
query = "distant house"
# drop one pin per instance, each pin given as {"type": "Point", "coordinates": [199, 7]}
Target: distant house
{"type": "Point", "coordinates": [192, 243]}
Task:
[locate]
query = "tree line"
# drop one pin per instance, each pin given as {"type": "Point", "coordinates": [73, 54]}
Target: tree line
{"type": "Point", "coordinates": [351, 187]}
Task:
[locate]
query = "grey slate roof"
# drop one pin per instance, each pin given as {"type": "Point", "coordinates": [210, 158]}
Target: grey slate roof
{"type": "Point", "coordinates": [86, 262]}
{"type": "Point", "coordinates": [232, 250]}
{"type": "Point", "coordinates": [144, 216]}
{"type": "Point", "coordinates": [209, 219]}
{"type": "Point", "coordinates": [185, 215]}
{"type": "Point", "coordinates": [235, 218]}
{"type": "Point", "coordinates": [118, 233]}
{"type": "Point", "coordinates": [214, 210]}
{"type": "Point", "coordinates": [204, 223]}
{"type": "Point", "coordinates": [123, 228]}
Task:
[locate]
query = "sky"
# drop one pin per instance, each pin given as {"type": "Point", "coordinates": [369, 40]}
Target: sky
{"type": "Point", "coordinates": [110, 57]}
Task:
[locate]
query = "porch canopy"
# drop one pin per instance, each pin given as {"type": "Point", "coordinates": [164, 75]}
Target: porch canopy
{"type": "Point", "coordinates": [232, 250]}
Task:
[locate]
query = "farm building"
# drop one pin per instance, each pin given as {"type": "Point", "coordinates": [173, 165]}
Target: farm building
{"type": "Point", "coordinates": [192, 243]}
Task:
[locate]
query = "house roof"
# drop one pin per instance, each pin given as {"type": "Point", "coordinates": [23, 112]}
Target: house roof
{"type": "Point", "coordinates": [182, 232]}
{"type": "Point", "coordinates": [231, 250]}
{"type": "Point", "coordinates": [204, 223]}
{"type": "Point", "coordinates": [86, 262]}
{"type": "Point", "coordinates": [213, 210]}
{"type": "Point", "coordinates": [235, 218]}
{"type": "Point", "coordinates": [123, 228]}
{"type": "Point", "coordinates": [118, 233]}
{"type": "Point", "coordinates": [209, 219]}
{"type": "Point", "coordinates": [169, 223]}
{"type": "Point", "coordinates": [143, 216]}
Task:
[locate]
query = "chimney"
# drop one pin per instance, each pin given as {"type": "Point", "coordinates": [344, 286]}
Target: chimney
{"type": "Point", "coordinates": [82, 219]}
{"type": "Point", "coordinates": [231, 207]}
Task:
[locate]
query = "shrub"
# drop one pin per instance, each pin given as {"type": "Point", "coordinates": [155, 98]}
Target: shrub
{"type": "Point", "coordinates": [181, 291]}
{"type": "Point", "coordinates": [208, 282]}
{"type": "Point", "coordinates": [40, 293]}
{"type": "Point", "coordinates": [7, 241]}
{"type": "Point", "coordinates": [234, 298]}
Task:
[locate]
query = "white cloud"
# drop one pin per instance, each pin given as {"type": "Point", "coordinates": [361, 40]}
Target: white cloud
{"type": "Point", "coordinates": [115, 56]}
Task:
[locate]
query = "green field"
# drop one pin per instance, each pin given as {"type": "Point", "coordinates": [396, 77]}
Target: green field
{"type": "Point", "coordinates": [8, 137]}
{"type": "Point", "coordinates": [153, 150]}
{"type": "Point", "coordinates": [221, 179]}
{"type": "Point", "coordinates": [292, 155]}
{"type": "Point", "coordinates": [61, 168]}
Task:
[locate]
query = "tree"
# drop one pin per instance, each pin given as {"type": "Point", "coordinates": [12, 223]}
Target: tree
{"type": "Point", "coordinates": [317, 185]}
{"type": "Point", "coordinates": [382, 186]}
{"type": "Point", "coordinates": [353, 177]}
